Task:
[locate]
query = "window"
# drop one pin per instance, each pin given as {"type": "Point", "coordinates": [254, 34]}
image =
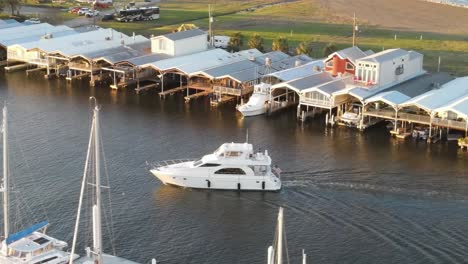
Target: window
{"type": "Point", "coordinates": [330, 64]}
{"type": "Point", "coordinates": [210, 165]}
{"type": "Point", "coordinates": [233, 153]}
{"type": "Point", "coordinates": [399, 70]}
{"type": "Point", "coordinates": [235, 171]}
{"type": "Point", "coordinates": [349, 66]}
{"type": "Point", "coordinates": [197, 163]}
{"type": "Point", "coordinates": [162, 44]}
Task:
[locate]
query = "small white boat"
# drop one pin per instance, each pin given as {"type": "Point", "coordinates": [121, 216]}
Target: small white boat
{"type": "Point", "coordinates": [30, 245]}
{"type": "Point", "coordinates": [258, 102]}
{"type": "Point", "coordinates": [233, 166]}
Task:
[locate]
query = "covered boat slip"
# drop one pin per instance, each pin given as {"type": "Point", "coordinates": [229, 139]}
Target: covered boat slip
{"type": "Point", "coordinates": [183, 68]}
{"type": "Point", "coordinates": [132, 72]}
{"type": "Point", "coordinates": [441, 108]}
{"type": "Point", "coordinates": [97, 64]}
{"type": "Point", "coordinates": [286, 94]}
{"type": "Point", "coordinates": [55, 54]}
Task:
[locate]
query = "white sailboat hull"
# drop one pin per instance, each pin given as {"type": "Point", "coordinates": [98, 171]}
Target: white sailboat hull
{"type": "Point", "coordinates": [218, 182]}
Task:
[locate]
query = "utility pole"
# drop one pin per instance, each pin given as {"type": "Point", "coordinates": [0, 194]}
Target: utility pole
{"type": "Point", "coordinates": [355, 28]}
{"type": "Point", "coordinates": [210, 21]}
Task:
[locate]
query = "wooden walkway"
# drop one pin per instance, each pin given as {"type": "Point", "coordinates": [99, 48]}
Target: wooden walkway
{"type": "Point", "coordinates": [196, 95]}
{"type": "Point", "coordinates": [145, 87]}
{"type": "Point", "coordinates": [172, 91]}
{"type": "Point", "coordinates": [222, 100]}
{"type": "Point", "coordinates": [17, 67]}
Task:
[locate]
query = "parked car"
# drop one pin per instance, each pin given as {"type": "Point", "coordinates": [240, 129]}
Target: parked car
{"type": "Point", "coordinates": [74, 10]}
{"type": "Point", "coordinates": [107, 17]}
{"type": "Point", "coordinates": [92, 13]}
{"type": "Point", "coordinates": [33, 20]}
{"type": "Point", "coordinates": [83, 11]}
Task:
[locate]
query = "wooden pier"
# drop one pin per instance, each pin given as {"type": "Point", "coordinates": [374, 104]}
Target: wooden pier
{"type": "Point", "coordinates": [145, 87]}
{"type": "Point", "coordinates": [78, 76]}
{"type": "Point", "coordinates": [17, 67]}
{"type": "Point", "coordinates": [172, 91]}
{"type": "Point", "coordinates": [35, 70]}
{"type": "Point", "coordinates": [222, 100]}
{"type": "Point", "coordinates": [196, 95]}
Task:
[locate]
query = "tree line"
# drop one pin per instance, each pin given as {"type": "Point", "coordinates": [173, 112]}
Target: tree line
{"type": "Point", "coordinates": [236, 43]}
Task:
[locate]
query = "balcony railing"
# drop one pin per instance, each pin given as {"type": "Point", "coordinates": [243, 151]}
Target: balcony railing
{"type": "Point", "coordinates": [421, 119]}
{"type": "Point", "coordinates": [232, 91]}
{"type": "Point", "coordinates": [315, 102]}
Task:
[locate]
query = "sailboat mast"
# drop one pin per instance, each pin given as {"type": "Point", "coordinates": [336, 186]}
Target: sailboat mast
{"type": "Point", "coordinates": [279, 249]}
{"type": "Point", "coordinates": [6, 202]}
{"type": "Point", "coordinates": [83, 185]}
{"type": "Point", "coordinates": [97, 225]}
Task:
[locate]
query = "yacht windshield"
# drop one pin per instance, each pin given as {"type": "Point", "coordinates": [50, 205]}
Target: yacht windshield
{"type": "Point", "coordinates": [197, 163]}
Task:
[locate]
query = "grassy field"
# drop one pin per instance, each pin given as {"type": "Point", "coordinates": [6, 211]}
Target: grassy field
{"type": "Point", "coordinates": [303, 20]}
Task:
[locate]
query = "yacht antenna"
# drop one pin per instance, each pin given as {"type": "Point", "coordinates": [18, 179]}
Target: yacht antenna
{"type": "Point", "coordinates": [5, 189]}
{"type": "Point", "coordinates": [247, 136]}
{"type": "Point", "coordinates": [304, 257]}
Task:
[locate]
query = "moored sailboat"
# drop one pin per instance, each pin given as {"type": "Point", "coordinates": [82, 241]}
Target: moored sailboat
{"type": "Point", "coordinates": [94, 254]}
{"type": "Point", "coordinates": [31, 245]}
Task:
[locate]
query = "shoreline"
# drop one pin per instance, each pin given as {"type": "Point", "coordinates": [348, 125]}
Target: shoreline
{"type": "Point", "coordinates": [444, 2]}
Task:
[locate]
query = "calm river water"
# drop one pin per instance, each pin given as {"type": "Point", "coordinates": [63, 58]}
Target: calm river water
{"type": "Point", "coordinates": [349, 197]}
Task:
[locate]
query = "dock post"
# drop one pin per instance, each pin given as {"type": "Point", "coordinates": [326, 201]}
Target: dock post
{"type": "Point", "coordinates": [326, 119]}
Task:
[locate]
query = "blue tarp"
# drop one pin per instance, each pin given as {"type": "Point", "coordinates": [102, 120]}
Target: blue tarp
{"type": "Point", "coordinates": [17, 236]}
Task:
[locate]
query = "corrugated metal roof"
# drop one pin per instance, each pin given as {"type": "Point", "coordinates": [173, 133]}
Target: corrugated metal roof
{"type": "Point", "coordinates": [204, 60]}
{"type": "Point", "coordinates": [434, 99]}
{"type": "Point", "coordinates": [9, 23]}
{"type": "Point", "coordinates": [116, 54]}
{"type": "Point", "coordinates": [460, 107]}
{"type": "Point", "coordinates": [351, 53]}
{"type": "Point", "coordinates": [392, 98]}
{"type": "Point", "coordinates": [307, 82]}
{"type": "Point", "coordinates": [183, 34]}
{"type": "Point", "coordinates": [145, 59]}
{"type": "Point", "coordinates": [298, 72]}
{"type": "Point", "coordinates": [31, 33]}
{"type": "Point", "coordinates": [92, 41]}
{"type": "Point", "coordinates": [385, 55]}
{"type": "Point", "coordinates": [228, 69]}
{"type": "Point", "coordinates": [329, 88]}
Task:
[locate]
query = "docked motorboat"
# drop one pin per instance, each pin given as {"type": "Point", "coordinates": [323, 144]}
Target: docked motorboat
{"type": "Point", "coordinates": [258, 102]}
{"type": "Point", "coordinates": [233, 166]}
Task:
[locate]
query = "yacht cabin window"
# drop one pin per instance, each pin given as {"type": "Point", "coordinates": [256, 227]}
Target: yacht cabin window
{"type": "Point", "coordinates": [197, 163]}
{"type": "Point", "coordinates": [210, 165]}
{"type": "Point", "coordinates": [235, 171]}
{"type": "Point", "coordinates": [233, 153]}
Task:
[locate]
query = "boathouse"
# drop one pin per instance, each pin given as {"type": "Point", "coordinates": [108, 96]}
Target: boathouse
{"type": "Point", "coordinates": [30, 33]}
{"type": "Point", "coordinates": [344, 61]}
{"type": "Point", "coordinates": [180, 43]}
{"type": "Point", "coordinates": [297, 72]}
{"type": "Point", "coordinates": [388, 68]}
{"type": "Point", "coordinates": [54, 54]}
{"type": "Point", "coordinates": [9, 23]}
{"type": "Point", "coordinates": [444, 107]}
{"type": "Point", "coordinates": [183, 67]}
{"type": "Point", "coordinates": [286, 94]}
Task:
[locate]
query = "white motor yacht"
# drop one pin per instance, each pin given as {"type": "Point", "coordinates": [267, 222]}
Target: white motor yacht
{"type": "Point", "coordinates": [233, 166]}
{"type": "Point", "coordinates": [258, 102]}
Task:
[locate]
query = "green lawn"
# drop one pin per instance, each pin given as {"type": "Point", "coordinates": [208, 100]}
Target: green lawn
{"type": "Point", "coordinates": [300, 21]}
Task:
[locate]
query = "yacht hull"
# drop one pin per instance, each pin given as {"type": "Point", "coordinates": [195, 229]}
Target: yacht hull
{"type": "Point", "coordinates": [253, 112]}
{"type": "Point", "coordinates": [230, 182]}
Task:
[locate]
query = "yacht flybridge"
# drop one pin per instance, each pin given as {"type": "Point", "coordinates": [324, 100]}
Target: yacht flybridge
{"type": "Point", "coordinates": [32, 245]}
{"type": "Point", "coordinates": [233, 166]}
{"type": "Point", "coordinates": [258, 102]}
